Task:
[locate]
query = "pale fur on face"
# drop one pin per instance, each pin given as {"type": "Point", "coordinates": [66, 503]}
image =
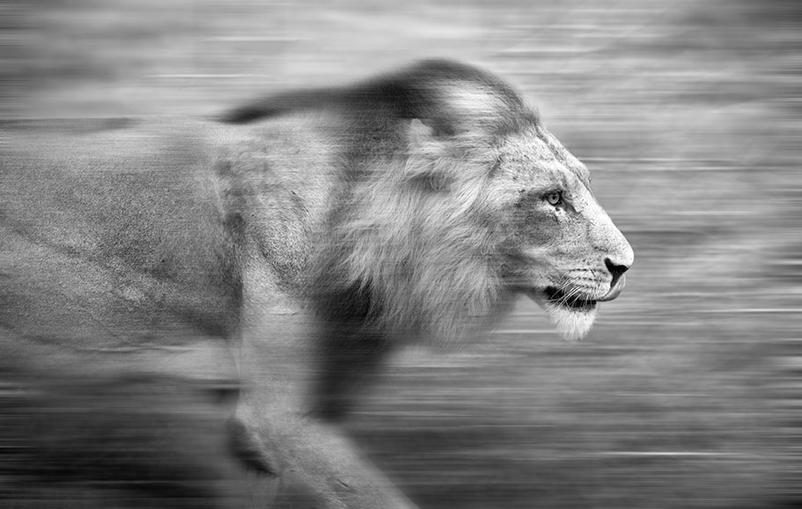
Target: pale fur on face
{"type": "Point", "coordinates": [571, 325]}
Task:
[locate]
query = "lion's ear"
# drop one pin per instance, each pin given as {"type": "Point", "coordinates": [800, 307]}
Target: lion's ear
{"type": "Point", "coordinates": [420, 132]}
{"type": "Point", "coordinates": [425, 135]}
{"type": "Point", "coordinates": [427, 151]}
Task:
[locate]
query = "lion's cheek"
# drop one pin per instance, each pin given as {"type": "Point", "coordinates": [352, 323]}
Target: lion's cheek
{"type": "Point", "coordinates": [570, 324]}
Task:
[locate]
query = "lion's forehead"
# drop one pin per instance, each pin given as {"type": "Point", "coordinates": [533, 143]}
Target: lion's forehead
{"type": "Point", "coordinates": [536, 155]}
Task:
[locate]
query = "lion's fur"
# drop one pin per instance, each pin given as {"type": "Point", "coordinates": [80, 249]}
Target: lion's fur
{"type": "Point", "coordinates": [404, 207]}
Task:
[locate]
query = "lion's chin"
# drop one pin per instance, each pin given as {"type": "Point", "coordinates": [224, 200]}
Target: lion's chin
{"type": "Point", "coordinates": [572, 324]}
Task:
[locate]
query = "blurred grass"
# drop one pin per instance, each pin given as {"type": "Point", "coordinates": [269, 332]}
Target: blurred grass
{"type": "Point", "coordinates": [687, 394]}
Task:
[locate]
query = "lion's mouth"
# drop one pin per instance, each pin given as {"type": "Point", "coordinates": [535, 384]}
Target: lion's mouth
{"type": "Point", "coordinates": [579, 302]}
{"type": "Point", "coordinates": [574, 302]}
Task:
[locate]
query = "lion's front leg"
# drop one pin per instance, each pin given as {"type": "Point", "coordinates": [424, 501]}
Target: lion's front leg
{"type": "Point", "coordinates": [280, 429]}
{"type": "Point", "coordinates": [277, 436]}
{"type": "Point", "coordinates": [317, 464]}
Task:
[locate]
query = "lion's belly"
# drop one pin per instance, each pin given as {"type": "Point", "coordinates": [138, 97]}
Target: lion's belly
{"type": "Point", "coordinates": [51, 293]}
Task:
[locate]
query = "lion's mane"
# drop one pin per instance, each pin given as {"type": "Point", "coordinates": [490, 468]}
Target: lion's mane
{"type": "Point", "coordinates": [407, 258]}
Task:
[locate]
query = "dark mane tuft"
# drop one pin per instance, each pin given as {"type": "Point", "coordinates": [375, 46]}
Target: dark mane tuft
{"type": "Point", "coordinates": [418, 91]}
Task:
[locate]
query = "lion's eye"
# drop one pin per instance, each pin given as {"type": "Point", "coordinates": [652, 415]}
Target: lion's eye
{"type": "Point", "coordinates": [554, 198]}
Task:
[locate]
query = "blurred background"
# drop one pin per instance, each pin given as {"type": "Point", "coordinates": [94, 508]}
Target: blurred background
{"type": "Point", "coordinates": [688, 393]}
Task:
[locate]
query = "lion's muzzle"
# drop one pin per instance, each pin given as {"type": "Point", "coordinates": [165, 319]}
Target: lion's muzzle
{"type": "Point", "coordinates": [615, 291]}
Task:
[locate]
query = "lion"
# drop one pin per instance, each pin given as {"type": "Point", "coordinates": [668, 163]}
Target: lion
{"type": "Point", "coordinates": [310, 233]}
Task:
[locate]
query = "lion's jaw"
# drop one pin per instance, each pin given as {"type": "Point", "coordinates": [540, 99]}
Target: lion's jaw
{"type": "Point", "coordinates": [572, 313]}
{"type": "Point", "coordinates": [566, 285]}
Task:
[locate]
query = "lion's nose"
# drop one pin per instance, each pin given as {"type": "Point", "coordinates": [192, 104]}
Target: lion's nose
{"type": "Point", "coordinates": [616, 270]}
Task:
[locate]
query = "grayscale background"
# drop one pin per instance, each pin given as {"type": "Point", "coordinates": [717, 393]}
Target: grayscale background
{"type": "Point", "coordinates": [688, 392]}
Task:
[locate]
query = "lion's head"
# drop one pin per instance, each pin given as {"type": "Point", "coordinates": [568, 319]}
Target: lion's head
{"type": "Point", "coordinates": [456, 199]}
{"type": "Point", "coordinates": [562, 247]}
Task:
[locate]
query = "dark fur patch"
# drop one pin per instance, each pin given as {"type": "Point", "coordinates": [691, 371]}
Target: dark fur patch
{"type": "Point", "coordinates": [416, 91]}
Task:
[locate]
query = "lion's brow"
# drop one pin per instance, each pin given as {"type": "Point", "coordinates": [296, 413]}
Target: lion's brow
{"type": "Point", "coordinates": [564, 156]}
